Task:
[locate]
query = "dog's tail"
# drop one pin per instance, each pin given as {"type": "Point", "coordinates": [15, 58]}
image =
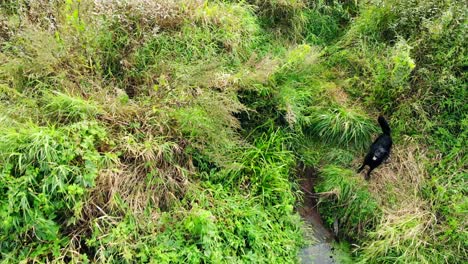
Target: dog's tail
{"type": "Point", "coordinates": [384, 125]}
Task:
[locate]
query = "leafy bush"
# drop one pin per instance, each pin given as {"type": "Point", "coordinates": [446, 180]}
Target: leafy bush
{"type": "Point", "coordinates": [220, 227]}
{"type": "Point", "coordinates": [44, 180]}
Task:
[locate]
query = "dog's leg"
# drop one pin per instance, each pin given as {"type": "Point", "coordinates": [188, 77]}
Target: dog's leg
{"type": "Point", "coordinates": [386, 159]}
{"type": "Point", "coordinates": [368, 173]}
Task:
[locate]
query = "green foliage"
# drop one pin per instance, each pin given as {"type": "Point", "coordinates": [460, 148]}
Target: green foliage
{"type": "Point", "coordinates": [219, 227]}
{"type": "Point", "coordinates": [44, 177]}
{"type": "Point", "coordinates": [321, 28]}
{"type": "Point", "coordinates": [209, 105]}
{"type": "Point", "coordinates": [190, 40]}
{"type": "Point", "coordinates": [226, 219]}
{"type": "Point", "coordinates": [346, 198]}
{"type": "Point", "coordinates": [344, 127]}
{"type": "Point", "coordinates": [63, 107]}
{"type": "Point", "coordinates": [407, 57]}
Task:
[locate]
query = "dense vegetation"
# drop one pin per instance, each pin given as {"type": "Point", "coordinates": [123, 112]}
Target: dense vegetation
{"type": "Point", "coordinates": [170, 131]}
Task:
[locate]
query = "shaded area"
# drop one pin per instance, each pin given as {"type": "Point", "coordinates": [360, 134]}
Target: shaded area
{"type": "Point", "coordinates": [321, 251]}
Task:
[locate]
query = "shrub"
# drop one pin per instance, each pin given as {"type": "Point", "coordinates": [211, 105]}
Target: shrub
{"type": "Point", "coordinates": [225, 218]}
{"type": "Point", "coordinates": [218, 226]}
{"type": "Point", "coordinates": [44, 179]}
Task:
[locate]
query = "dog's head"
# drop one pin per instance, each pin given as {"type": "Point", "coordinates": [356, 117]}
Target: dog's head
{"type": "Point", "coordinates": [379, 154]}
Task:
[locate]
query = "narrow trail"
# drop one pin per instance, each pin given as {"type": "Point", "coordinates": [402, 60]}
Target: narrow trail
{"type": "Point", "coordinates": [321, 250]}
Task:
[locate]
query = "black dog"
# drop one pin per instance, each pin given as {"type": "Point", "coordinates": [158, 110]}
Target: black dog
{"type": "Point", "coordinates": [379, 150]}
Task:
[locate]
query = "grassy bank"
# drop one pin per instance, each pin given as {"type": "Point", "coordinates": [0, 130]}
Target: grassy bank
{"type": "Point", "coordinates": [169, 131]}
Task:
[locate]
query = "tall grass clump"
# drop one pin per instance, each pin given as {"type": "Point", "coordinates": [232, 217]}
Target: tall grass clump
{"type": "Point", "coordinates": [210, 127]}
{"type": "Point", "coordinates": [296, 83]}
{"type": "Point", "coordinates": [325, 21]}
{"type": "Point", "coordinates": [285, 18]}
{"type": "Point", "coordinates": [65, 108]}
{"type": "Point", "coordinates": [264, 171]}
{"type": "Point", "coordinates": [401, 237]}
{"type": "Point", "coordinates": [345, 198]}
{"type": "Point", "coordinates": [344, 127]}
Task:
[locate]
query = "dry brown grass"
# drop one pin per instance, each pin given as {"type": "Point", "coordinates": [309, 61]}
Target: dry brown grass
{"type": "Point", "coordinates": [5, 31]}
{"type": "Point", "coordinates": [151, 168]}
{"type": "Point", "coordinates": [407, 222]}
{"type": "Point", "coordinates": [259, 71]}
{"type": "Point", "coordinates": [44, 14]}
{"type": "Point", "coordinates": [338, 94]}
{"type": "Point", "coordinates": [138, 187]}
{"type": "Point", "coordinates": [405, 232]}
{"type": "Point", "coordinates": [149, 14]}
{"type": "Point", "coordinates": [402, 177]}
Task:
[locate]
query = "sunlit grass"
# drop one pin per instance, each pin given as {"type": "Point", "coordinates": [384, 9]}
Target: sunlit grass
{"type": "Point", "coordinates": [341, 126]}
{"type": "Point", "coordinates": [66, 108]}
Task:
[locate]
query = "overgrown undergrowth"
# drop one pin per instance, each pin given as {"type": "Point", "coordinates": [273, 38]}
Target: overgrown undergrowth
{"type": "Point", "coordinates": [168, 131]}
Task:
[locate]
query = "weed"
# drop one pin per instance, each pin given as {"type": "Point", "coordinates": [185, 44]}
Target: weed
{"type": "Point", "coordinates": [45, 173]}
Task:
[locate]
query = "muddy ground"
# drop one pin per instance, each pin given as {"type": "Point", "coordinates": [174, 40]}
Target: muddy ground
{"type": "Point", "coordinates": [321, 249]}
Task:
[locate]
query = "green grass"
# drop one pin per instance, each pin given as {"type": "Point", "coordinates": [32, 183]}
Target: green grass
{"type": "Point", "coordinates": [344, 127]}
{"type": "Point", "coordinates": [169, 131]}
{"type": "Point", "coordinates": [64, 108]}
{"type": "Point", "coordinates": [347, 200]}
{"type": "Point", "coordinates": [44, 177]}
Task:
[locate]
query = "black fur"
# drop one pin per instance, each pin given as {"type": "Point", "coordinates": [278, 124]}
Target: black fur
{"type": "Point", "coordinates": [379, 150]}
